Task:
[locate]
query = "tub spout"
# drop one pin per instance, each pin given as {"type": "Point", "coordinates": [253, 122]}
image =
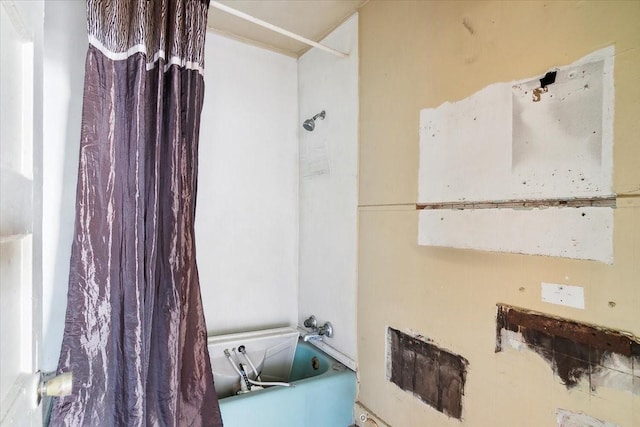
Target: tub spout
{"type": "Point", "coordinates": [312, 337]}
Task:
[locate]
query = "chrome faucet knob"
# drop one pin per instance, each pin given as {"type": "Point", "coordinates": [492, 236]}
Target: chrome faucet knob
{"type": "Point", "coordinates": [311, 322]}
{"type": "Point", "coordinates": [326, 330]}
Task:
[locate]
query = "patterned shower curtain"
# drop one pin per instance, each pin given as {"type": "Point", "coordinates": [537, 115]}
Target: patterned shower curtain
{"type": "Point", "coordinates": [135, 337]}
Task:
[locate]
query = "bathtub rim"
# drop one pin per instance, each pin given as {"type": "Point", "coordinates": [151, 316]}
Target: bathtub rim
{"type": "Point", "coordinates": [335, 367]}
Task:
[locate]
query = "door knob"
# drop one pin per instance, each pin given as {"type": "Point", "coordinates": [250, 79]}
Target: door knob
{"type": "Point", "coordinates": [59, 385]}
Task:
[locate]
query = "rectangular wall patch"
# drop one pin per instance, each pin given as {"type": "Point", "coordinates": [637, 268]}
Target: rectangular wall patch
{"type": "Point", "coordinates": [571, 296]}
{"type": "Point", "coordinates": [575, 351]}
{"type": "Point", "coordinates": [434, 375]}
{"type": "Point", "coordinates": [546, 139]}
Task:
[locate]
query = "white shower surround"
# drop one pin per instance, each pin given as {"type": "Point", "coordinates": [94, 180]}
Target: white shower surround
{"type": "Point", "coordinates": [274, 243]}
{"type": "Point", "coordinates": [247, 207]}
{"type": "Point", "coordinates": [329, 188]}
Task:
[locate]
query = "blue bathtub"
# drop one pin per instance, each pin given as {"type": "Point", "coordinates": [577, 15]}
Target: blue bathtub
{"type": "Point", "coordinates": [322, 395]}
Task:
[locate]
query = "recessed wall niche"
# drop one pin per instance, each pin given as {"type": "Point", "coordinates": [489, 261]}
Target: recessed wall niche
{"type": "Point", "coordinates": [524, 166]}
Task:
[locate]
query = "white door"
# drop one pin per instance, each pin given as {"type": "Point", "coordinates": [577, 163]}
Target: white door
{"type": "Point", "coordinates": [20, 295]}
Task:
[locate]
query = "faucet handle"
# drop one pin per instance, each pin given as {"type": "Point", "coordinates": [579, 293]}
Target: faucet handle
{"type": "Point", "coordinates": [326, 330]}
{"type": "Point", "coordinates": [311, 322]}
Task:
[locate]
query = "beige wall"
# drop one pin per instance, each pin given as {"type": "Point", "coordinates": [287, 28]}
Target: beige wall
{"type": "Point", "coordinates": [419, 54]}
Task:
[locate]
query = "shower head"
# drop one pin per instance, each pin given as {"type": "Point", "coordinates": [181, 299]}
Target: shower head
{"type": "Point", "coordinates": [310, 124]}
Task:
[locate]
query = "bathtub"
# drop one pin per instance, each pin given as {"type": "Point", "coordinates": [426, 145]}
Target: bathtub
{"type": "Point", "coordinates": [322, 394]}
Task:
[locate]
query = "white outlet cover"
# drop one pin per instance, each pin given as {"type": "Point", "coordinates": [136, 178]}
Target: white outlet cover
{"type": "Point", "coordinates": [570, 296]}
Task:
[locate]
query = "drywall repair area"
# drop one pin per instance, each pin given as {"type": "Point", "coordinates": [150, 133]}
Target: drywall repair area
{"type": "Point", "coordinates": [575, 351]}
{"type": "Point", "coordinates": [425, 55]}
{"type": "Point", "coordinates": [542, 142]}
{"type": "Point", "coordinates": [434, 375]}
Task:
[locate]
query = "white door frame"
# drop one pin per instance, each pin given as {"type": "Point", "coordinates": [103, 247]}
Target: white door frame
{"type": "Point", "coordinates": [21, 329]}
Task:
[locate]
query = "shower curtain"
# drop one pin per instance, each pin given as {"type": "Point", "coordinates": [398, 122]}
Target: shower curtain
{"type": "Point", "coordinates": [135, 337]}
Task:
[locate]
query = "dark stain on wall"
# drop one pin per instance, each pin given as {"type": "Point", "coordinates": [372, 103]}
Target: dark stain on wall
{"type": "Point", "coordinates": [574, 350]}
{"type": "Point", "coordinates": [434, 375]}
{"type": "Point", "coordinates": [468, 26]}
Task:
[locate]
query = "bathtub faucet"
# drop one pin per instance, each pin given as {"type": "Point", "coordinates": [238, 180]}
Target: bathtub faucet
{"type": "Point", "coordinates": [317, 332]}
{"type": "Point", "coordinates": [312, 337]}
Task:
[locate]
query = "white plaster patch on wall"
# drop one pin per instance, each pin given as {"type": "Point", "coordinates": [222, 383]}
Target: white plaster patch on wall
{"type": "Point", "coordinates": [567, 418]}
{"type": "Point", "coordinates": [580, 233]}
{"type": "Point", "coordinates": [506, 143]}
{"type": "Point", "coordinates": [465, 148]}
{"type": "Point", "coordinates": [570, 296]}
{"type": "Point", "coordinates": [498, 144]}
{"type": "Point", "coordinates": [615, 371]}
{"type": "Point", "coordinates": [557, 141]}
{"type": "Point", "coordinates": [512, 339]}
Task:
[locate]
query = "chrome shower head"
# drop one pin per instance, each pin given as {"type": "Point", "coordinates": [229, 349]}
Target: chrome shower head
{"type": "Point", "coordinates": [310, 124]}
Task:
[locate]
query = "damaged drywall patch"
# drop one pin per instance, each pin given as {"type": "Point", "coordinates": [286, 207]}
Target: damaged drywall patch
{"type": "Point", "coordinates": [499, 145]}
{"type": "Point", "coordinates": [582, 233]}
{"type": "Point", "coordinates": [561, 142]}
{"type": "Point", "coordinates": [483, 147]}
{"type": "Point", "coordinates": [434, 375]}
{"type": "Point", "coordinates": [576, 351]}
{"type": "Point", "coordinates": [548, 79]}
{"type": "Point", "coordinates": [578, 419]}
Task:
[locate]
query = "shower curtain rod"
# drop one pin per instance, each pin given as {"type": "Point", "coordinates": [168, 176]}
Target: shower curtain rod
{"type": "Point", "coordinates": [277, 29]}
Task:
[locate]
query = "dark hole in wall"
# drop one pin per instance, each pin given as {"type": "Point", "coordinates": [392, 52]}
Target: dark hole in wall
{"type": "Point", "coordinates": [434, 375]}
{"type": "Point", "coordinates": [548, 79]}
{"type": "Point", "coordinates": [574, 350]}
